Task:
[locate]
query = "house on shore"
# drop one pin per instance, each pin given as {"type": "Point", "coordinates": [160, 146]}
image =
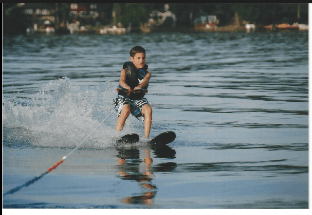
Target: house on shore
{"type": "Point", "coordinates": [43, 16]}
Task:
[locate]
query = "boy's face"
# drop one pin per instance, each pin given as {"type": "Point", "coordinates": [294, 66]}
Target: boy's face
{"type": "Point", "coordinates": [138, 60]}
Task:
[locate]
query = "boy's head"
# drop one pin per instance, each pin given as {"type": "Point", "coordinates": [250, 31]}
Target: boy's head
{"type": "Point", "coordinates": [137, 56]}
{"type": "Point", "coordinates": [136, 49]}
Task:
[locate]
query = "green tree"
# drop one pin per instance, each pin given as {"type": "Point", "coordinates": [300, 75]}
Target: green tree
{"type": "Point", "coordinates": [182, 12]}
{"type": "Point", "coordinates": [63, 12]}
{"type": "Point", "coordinates": [303, 16]}
{"type": "Point", "coordinates": [14, 20]}
{"type": "Point", "coordinates": [271, 13]}
{"type": "Point", "coordinates": [135, 13]}
{"type": "Point", "coordinates": [225, 13]}
{"type": "Point", "coordinates": [105, 10]}
{"type": "Point", "coordinates": [116, 13]}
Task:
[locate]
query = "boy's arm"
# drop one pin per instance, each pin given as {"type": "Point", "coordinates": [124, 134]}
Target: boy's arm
{"type": "Point", "coordinates": [144, 82]}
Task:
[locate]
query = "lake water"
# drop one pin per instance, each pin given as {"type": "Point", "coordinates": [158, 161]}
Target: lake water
{"type": "Point", "coordinates": [237, 102]}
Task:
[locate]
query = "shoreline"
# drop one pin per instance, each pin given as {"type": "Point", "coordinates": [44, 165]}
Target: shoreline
{"type": "Point", "coordinates": [228, 28]}
{"type": "Point", "coordinates": [121, 31]}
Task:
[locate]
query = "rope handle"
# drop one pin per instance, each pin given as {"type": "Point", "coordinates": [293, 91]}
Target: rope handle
{"type": "Point", "coordinates": [131, 91]}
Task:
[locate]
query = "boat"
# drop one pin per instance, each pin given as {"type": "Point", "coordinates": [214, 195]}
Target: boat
{"type": "Point", "coordinates": [286, 27]}
{"type": "Point", "coordinates": [268, 27]}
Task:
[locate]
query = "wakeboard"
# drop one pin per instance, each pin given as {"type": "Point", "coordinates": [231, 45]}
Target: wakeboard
{"type": "Point", "coordinates": [128, 138]}
{"type": "Point", "coordinates": [163, 138]}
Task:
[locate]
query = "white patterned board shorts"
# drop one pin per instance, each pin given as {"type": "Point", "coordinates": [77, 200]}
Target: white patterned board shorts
{"type": "Point", "coordinates": [135, 105]}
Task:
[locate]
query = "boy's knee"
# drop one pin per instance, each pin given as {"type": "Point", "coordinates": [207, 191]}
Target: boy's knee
{"type": "Point", "coordinates": [147, 110]}
{"type": "Point", "coordinates": [150, 110]}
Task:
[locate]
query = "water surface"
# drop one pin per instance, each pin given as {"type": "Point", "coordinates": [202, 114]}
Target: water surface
{"type": "Point", "coordinates": [238, 103]}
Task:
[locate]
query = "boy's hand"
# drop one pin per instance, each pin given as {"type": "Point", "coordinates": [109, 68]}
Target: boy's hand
{"type": "Point", "coordinates": [129, 91]}
{"type": "Point", "coordinates": [138, 88]}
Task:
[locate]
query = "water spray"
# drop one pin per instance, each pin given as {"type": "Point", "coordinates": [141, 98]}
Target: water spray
{"type": "Point", "coordinates": [55, 165]}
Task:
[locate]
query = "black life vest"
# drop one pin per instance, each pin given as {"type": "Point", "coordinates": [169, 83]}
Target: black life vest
{"type": "Point", "coordinates": [134, 76]}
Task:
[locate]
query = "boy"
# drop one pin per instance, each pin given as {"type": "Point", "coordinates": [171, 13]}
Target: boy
{"type": "Point", "coordinates": [133, 83]}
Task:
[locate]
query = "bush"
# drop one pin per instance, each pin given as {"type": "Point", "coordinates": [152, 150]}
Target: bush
{"type": "Point", "coordinates": [15, 21]}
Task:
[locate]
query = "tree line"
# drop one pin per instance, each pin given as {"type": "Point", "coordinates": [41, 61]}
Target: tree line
{"type": "Point", "coordinates": [135, 13]}
{"type": "Point", "coordinates": [257, 13]}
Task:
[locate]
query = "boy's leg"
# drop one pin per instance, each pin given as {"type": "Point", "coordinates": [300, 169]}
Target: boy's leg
{"type": "Point", "coordinates": [147, 112]}
{"type": "Point", "coordinates": [122, 117]}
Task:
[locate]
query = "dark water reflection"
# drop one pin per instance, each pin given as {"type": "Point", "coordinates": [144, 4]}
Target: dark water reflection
{"type": "Point", "coordinates": [243, 166]}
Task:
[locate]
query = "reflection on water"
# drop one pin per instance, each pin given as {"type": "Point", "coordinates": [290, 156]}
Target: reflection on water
{"type": "Point", "coordinates": [128, 162]}
{"type": "Point", "coordinates": [128, 165]}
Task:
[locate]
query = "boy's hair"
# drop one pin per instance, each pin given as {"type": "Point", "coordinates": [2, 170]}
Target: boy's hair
{"type": "Point", "coordinates": [137, 49]}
